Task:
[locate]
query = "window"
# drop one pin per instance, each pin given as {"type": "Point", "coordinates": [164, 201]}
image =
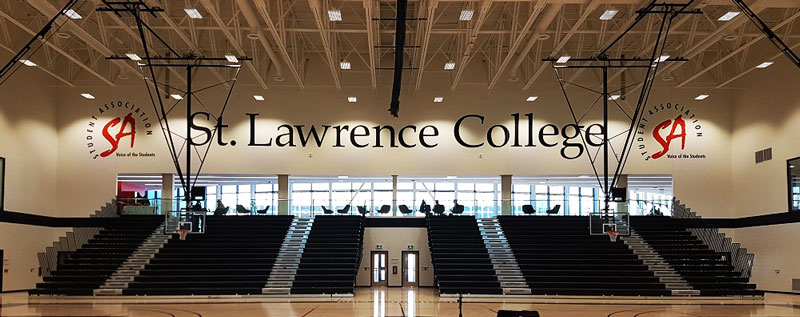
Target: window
{"type": "Point", "coordinates": [793, 176]}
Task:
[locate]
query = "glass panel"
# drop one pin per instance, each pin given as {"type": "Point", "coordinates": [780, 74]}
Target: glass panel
{"type": "Point", "coordinates": [793, 171]}
{"type": "Point", "coordinates": [376, 257]}
{"type": "Point", "coordinates": [411, 267]}
{"type": "Point", "coordinates": [229, 196]}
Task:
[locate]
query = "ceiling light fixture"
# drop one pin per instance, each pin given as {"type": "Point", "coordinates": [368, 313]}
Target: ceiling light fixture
{"type": "Point", "coordinates": [231, 58]}
{"type": "Point", "coordinates": [335, 15]}
{"type": "Point", "coordinates": [87, 96]}
{"type": "Point", "coordinates": [450, 177]}
{"type": "Point", "coordinates": [466, 15]}
{"type": "Point", "coordinates": [133, 56]}
{"type": "Point", "coordinates": [609, 14]}
{"type": "Point", "coordinates": [343, 177]}
{"type": "Point", "coordinates": [614, 97]}
{"type": "Point", "coordinates": [176, 96]}
{"type": "Point", "coordinates": [532, 98]}
{"type": "Point", "coordinates": [728, 16]}
{"type": "Point", "coordinates": [450, 65]}
{"type": "Point", "coordinates": [438, 99]}
{"type": "Point", "coordinates": [563, 59]}
{"type": "Point", "coordinates": [258, 97]}
{"type": "Point", "coordinates": [662, 58]}
{"type": "Point", "coordinates": [764, 64]}
{"type": "Point", "coordinates": [72, 14]}
{"type": "Point", "coordinates": [193, 13]}
{"type": "Point", "coordinates": [27, 62]}
{"type": "Point", "coordinates": [344, 64]}
{"type": "Point", "coordinates": [701, 97]}
{"type": "Point", "coordinates": [352, 99]}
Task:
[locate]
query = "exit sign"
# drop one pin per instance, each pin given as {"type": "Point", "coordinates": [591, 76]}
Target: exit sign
{"type": "Point", "coordinates": [410, 246]}
{"type": "Point", "coordinates": [380, 246]}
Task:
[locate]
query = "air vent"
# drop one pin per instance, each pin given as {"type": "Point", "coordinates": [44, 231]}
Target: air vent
{"type": "Point", "coordinates": [763, 155]}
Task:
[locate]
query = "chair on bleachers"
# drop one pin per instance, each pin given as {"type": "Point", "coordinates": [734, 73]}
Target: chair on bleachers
{"type": "Point", "coordinates": [528, 209]}
{"type": "Point", "coordinates": [457, 208]}
{"type": "Point", "coordinates": [263, 211]}
{"type": "Point", "coordinates": [554, 211]}
{"type": "Point", "coordinates": [344, 210]}
{"type": "Point", "coordinates": [384, 209]}
{"type": "Point", "coordinates": [438, 208]}
{"type": "Point", "coordinates": [326, 211]}
{"type": "Point", "coordinates": [241, 210]}
{"type": "Point", "coordinates": [362, 210]}
{"type": "Point", "coordinates": [404, 210]}
{"type": "Point", "coordinates": [425, 208]}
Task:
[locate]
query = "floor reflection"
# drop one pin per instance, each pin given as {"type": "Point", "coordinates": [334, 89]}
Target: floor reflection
{"type": "Point", "coordinates": [393, 302]}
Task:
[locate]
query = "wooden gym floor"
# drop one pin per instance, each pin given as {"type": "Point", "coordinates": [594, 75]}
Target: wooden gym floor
{"type": "Point", "coordinates": [386, 302]}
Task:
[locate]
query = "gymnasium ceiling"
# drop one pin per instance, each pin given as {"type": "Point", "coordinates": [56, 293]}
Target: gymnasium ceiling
{"type": "Point", "coordinates": [505, 40]}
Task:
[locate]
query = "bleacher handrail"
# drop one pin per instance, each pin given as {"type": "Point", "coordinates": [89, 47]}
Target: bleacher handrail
{"type": "Point", "coordinates": [73, 240]}
{"type": "Point", "coordinates": [741, 260]}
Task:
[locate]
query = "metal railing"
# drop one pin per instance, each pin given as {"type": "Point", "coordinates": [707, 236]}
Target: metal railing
{"type": "Point", "coordinates": [73, 240]}
{"type": "Point", "coordinates": [717, 241]}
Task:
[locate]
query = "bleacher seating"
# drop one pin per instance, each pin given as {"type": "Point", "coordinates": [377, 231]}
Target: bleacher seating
{"type": "Point", "coordinates": [88, 267]}
{"type": "Point", "coordinates": [558, 256]}
{"type": "Point", "coordinates": [460, 260]}
{"type": "Point", "coordinates": [331, 256]}
{"type": "Point", "coordinates": [234, 256]}
{"type": "Point", "coordinates": [706, 270]}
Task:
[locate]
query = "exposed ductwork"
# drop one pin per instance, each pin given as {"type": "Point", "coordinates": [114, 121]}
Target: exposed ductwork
{"type": "Point", "coordinates": [255, 27]}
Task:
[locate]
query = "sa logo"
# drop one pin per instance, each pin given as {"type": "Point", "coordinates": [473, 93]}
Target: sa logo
{"type": "Point", "coordinates": [129, 122]}
{"type": "Point", "coordinates": [103, 139]}
{"type": "Point", "coordinates": [678, 123]}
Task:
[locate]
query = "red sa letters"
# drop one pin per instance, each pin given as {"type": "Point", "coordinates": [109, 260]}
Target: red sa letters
{"type": "Point", "coordinates": [672, 135]}
{"type": "Point", "coordinates": [121, 134]}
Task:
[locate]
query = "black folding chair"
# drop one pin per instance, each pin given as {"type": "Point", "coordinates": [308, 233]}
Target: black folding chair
{"type": "Point", "coordinates": [438, 209]}
{"type": "Point", "coordinates": [384, 209]}
{"type": "Point", "coordinates": [241, 210]}
{"type": "Point", "coordinates": [362, 210]}
{"type": "Point", "coordinates": [425, 208]}
{"type": "Point", "coordinates": [344, 210]}
{"type": "Point", "coordinates": [326, 211]}
{"type": "Point", "coordinates": [404, 210]}
{"type": "Point", "coordinates": [528, 209]}
{"type": "Point", "coordinates": [457, 208]}
{"type": "Point", "coordinates": [554, 210]}
{"type": "Point", "coordinates": [263, 211]}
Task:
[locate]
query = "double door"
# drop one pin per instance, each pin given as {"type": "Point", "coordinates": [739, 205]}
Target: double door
{"type": "Point", "coordinates": [380, 268]}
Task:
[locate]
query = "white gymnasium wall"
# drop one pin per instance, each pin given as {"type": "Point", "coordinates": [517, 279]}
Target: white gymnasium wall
{"type": "Point", "coordinates": [87, 183]}
{"type": "Point", "coordinates": [395, 241]}
{"type": "Point", "coordinates": [29, 142]}
{"type": "Point", "coordinates": [767, 114]}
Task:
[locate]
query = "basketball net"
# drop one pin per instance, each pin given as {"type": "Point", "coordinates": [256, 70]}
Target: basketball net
{"type": "Point", "coordinates": [182, 234]}
{"type": "Point", "coordinates": [613, 235]}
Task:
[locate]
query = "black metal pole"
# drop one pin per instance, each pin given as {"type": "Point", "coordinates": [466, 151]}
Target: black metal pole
{"type": "Point", "coordinates": [189, 143]}
{"type": "Point", "coordinates": [605, 138]}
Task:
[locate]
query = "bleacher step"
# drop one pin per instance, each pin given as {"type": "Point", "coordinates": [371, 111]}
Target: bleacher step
{"type": "Point", "coordinates": [115, 284]}
{"type": "Point", "coordinates": [287, 262]}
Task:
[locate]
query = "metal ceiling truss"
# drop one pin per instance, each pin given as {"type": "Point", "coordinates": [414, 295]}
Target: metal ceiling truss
{"type": "Point", "coordinates": [602, 62]}
{"type": "Point", "coordinates": [188, 62]}
{"type": "Point", "coordinates": [508, 35]}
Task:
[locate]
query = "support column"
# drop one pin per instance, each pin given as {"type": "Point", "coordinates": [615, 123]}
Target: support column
{"type": "Point", "coordinates": [167, 186]}
{"type": "Point", "coordinates": [394, 194]}
{"type": "Point", "coordinates": [505, 194]}
{"type": "Point", "coordinates": [283, 194]}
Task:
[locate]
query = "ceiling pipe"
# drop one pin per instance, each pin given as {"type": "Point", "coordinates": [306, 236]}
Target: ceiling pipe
{"type": "Point", "coordinates": [547, 17]}
{"type": "Point", "coordinates": [256, 28]}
